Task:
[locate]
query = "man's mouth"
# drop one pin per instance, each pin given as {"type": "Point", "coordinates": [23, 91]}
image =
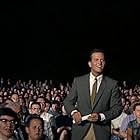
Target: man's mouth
{"type": "Point", "coordinates": [99, 66]}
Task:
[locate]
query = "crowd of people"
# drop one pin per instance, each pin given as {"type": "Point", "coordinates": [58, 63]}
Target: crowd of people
{"type": "Point", "coordinates": [92, 107]}
{"type": "Point", "coordinates": [38, 105]}
{"type": "Point", "coordinates": [34, 109]}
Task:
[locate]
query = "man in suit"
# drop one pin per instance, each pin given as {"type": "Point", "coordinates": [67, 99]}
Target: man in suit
{"type": "Point", "coordinates": [105, 106]}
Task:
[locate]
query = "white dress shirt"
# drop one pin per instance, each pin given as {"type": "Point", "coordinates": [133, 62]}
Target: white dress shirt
{"type": "Point", "coordinates": [91, 81]}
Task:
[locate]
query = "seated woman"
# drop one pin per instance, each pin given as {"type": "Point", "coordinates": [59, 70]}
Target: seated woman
{"type": "Point", "coordinates": [63, 125]}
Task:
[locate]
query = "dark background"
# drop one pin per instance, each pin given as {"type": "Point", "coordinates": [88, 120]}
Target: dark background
{"type": "Point", "coordinates": [41, 40]}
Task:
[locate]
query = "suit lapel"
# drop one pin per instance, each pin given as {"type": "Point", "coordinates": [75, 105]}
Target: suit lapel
{"type": "Point", "coordinates": [100, 92]}
{"type": "Point", "coordinates": [87, 90]}
{"type": "Point", "coordinates": [85, 87]}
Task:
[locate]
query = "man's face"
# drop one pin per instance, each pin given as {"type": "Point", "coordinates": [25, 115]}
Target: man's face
{"type": "Point", "coordinates": [15, 98]}
{"type": "Point", "coordinates": [42, 102]}
{"type": "Point", "coordinates": [35, 109]}
{"type": "Point", "coordinates": [35, 130]}
{"type": "Point", "coordinates": [47, 107]}
{"type": "Point", "coordinates": [137, 111]}
{"type": "Point", "coordinates": [97, 63]}
{"type": "Point", "coordinates": [55, 107]}
{"type": "Point", "coordinates": [7, 126]}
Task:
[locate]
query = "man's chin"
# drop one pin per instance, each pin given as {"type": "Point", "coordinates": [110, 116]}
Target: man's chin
{"type": "Point", "coordinates": [9, 135]}
{"type": "Point", "coordinates": [99, 72]}
{"type": "Point", "coordinates": [36, 137]}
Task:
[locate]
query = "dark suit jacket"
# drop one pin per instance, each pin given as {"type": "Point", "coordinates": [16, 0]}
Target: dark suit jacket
{"type": "Point", "coordinates": [108, 102]}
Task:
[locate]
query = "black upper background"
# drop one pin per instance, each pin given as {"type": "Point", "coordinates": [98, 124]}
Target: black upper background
{"type": "Point", "coordinates": [42, 40]}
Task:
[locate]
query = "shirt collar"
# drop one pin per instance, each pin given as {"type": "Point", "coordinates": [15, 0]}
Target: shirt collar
{"type": "Point", "coordinates": [99, 78]}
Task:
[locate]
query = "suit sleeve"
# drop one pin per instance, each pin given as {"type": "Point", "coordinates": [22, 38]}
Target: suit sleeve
{"type": "Point", "coordinates": [115, 104]}
{"type": "Point", "coordinates": [70, 100]}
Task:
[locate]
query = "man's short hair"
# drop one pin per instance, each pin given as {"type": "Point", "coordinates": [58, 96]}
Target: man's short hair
{"type": "Point", "coordinates": [8, 112]}
{"type": "Point", "coordinates": [96, 50]}
{"type": "Point", "coordinates": [32, 117]}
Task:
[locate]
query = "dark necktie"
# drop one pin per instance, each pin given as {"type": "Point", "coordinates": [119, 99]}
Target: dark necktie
{"type": "Point", "coordinates": [94, 88]}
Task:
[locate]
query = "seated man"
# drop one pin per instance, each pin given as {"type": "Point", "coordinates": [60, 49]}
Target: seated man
{"type": "Point", "coordinates": [35, 127]}
{"type": "Point", "coordinates": [7, 124]}
{"type": "Point", "coordinates": [133, 131]}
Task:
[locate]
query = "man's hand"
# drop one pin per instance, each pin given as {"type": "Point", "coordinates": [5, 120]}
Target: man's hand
{"type": "Point", "coordinates": [77, 117]}
{"type": "Point", "coordinates": [94, 117]}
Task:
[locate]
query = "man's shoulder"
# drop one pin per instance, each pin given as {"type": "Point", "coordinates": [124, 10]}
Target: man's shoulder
{"type": "Point", "coordinates": [110, 79]}
{"type": "Point", "coordinates": [80, 77]}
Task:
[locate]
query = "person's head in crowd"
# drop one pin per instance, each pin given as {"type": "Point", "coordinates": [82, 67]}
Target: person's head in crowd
{"type": "Point", "coordinates": [5, 93]}
{"type": "Point", "coordinates": [124, 84]}
{"type": "Point", "coordinates": [127, 97]}
{"type": "Point", "coordinates": [35, 108]}
{"type": "Point", "coordinates": [22, 101]}
{"type": "Point", "coordinates": [37, 92]}
{"type": "Point", "coordinates": [136, 109]}
{"type": "Point", "coordinates": [123, 101]}
{"type": "Point", "coordinates": [5, 97]}
{"type": "Point", "coordinates": [41, 100]}
{"type": "Point", "coordinates": [35, 97]}
{"type": "Point", "coordinates": [1, 99]}
{"type": "Point", "coordinates": [47, 87]}
{"type": "Point", "coordinates": [3, 89]}
{"type": "Point", "coordinates": [126, 106]}
{"type": "Point", "coordinates": [23, 89]}
{"type": "Point", "coordinates": [8, 100]}
{"type": "Point", "coordinates": [26, 95]}
{"type": "Point", "coordinates": [40, 83]}
{"type": "Point", "coordinates": [30, 103]}
{"type": "Point", "coordinates": [21, 93]}
{"type": "Point", "coordinates": [34, 127]}
{"type": "Point", "coordinates": [62, 92]}
{"type": "Point", "coordinates": [133, 98]}
{"type": "Point", "coordinates": [30, 97]}
{"type": "Point", "coordinates": [11, 90]}
{"type": "Point", "coordinates": [18, 91]}
{"type": "Point", "coordinates": [9, 96]}
{"type": "Point", "coordinates": [130, 91]}
{"type": "Point", "coordinates": [55, 106]}
{"type": "Point", "coordinates": [7, 123]}
{"type": "Point", "coordinates": [61, 86]}
{"type": "Point", "coordinates": [47, 106]}
{"type": "Point", "coordinates": [131, 107]}
{"type": "Point", "coordinates": [1, 93]}
{"type": "Point", "coordinates": [48, 96]}
{"type": "Point", "coordinates": [15, 107]}
{"type": "Point", "coordinates": [15, 97]}
{"type": "Point", "coordinates": [52, 93]}
{"type": "Point", "coordinates": [31, 92]}
{"type": "Point", "coordinates": [138, 97]}
{"type": "Point", "coordinates": [15, 90]}
{"type": "Point", "coordinates": [42, 94]}
{"type": "Point", "coordinates": [58, 98]}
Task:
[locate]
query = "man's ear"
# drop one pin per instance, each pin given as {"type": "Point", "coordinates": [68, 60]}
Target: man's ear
{"type": "Point", "coordinates": [134, 113]}
{"type": "Point", "coordinates": [27, 130]}
{"type": "Point", "coordinates": [89, 64]}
